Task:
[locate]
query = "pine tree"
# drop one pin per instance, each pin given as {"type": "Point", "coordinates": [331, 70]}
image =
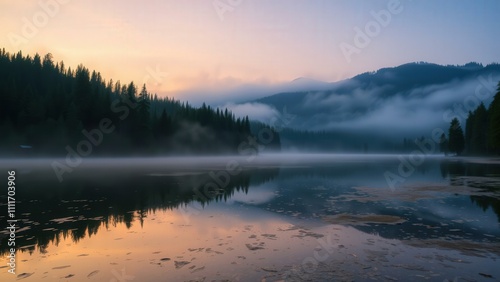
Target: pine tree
{"type": "Point", "coordinates": [469, 129]}
{"type": "Point", "coordinates": [494, 120]}
{"type": "Point", "coordinates": [143, 107]}
{"type": "Point", "coordinates": [42, 100]}
{"type": "Point", "coordinates": [443, 144]}
{"type": "Point", "coordinates": [164, 125]}
{"type": "Point", "coordinates": [479, 137]}
{"type": "Point", "coordinates": [82, 90]}
{"type": "Point", "coordinates": [456, 137]}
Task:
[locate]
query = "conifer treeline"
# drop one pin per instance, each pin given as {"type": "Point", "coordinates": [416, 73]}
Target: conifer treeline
{"type": "Point", "coordinates": [482, 128]}
{"type": "Point", "coordinates": [482, 131]}
{"type": "Point", "coordinates": [47, 107]}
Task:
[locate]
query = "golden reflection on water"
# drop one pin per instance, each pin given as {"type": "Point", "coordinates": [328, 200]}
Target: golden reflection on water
{"type": "Point", "coordinates": [171, 247]}
{"type": "Point", "coordinates": [252, 233]}
{"type": "Point", "coordinates": [233, 242]}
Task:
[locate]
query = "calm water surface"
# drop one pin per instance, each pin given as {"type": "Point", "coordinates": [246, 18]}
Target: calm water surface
{"type": "Point", "coordinates": [272, 218]}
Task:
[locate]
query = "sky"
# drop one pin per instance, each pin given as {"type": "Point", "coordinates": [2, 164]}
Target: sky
{"type": "Point", "coordinates": [203, 49]}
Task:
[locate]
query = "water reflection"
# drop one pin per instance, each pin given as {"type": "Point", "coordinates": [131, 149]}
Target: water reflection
{"type": "Point", "coordinates": [477, 175]}
{"type": "Point", "coordinates": [81, 205]}
{"type": "Point", "coordinates": [427, 207]}
{"type": "Point", "coordinates": [446, 200]}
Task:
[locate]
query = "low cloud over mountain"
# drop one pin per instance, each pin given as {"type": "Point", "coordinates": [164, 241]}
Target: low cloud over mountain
{"type": "Point", "coordinates": [409, 100]}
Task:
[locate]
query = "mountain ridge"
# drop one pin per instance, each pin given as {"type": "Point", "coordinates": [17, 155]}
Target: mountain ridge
{"type": "Point", "coordinates": [408, 68]}
{"type": "Point", "coordinates": [389, 104]}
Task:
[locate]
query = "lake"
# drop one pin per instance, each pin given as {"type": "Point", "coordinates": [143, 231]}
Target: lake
{"type": "Point", "coordinates": [297, 217]}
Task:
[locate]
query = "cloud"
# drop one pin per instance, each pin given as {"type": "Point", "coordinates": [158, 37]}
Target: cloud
{"type": "Point", "coordinates": [371, 110]}
{"type": "Point", "coordinates": [356, 100]}
{"type": "Point", "coordinates": [254, 111]}
{"type": "Point", "coordinates": [219, 91]}
{"type": "Point", "coordinates": [385, 107]}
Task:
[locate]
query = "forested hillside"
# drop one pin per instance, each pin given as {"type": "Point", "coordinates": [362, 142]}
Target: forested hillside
{"type": "Point", "coordinates": [482, 129]}
{"type": "Point", "coordinates": [381, 105]}
{"type": "Point", "coordinates": [46, 108]}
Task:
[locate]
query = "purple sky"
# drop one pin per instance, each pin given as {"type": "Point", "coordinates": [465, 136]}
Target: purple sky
{"type": "Point", "coordinates": [177, 47]}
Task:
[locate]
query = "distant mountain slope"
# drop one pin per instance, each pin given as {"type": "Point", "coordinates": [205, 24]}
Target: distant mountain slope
{"type": "Point", "coordinates": [407, 99]}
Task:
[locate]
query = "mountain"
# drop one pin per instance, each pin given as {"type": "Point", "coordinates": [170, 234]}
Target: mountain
{"type": "Point", "coordinates": [307, 84]}
{"type": "Point", "coordinates": [407, 100]}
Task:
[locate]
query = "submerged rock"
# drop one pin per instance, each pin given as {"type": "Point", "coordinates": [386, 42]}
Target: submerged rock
{"type": "Point", "coordinates": [24, 275]}
{"type": "Point", "coordinates": [351, 219]}
{"type": "Point", "coordinates": [255, 247]}
{"type": "Point", "coordinates": [180, 264]}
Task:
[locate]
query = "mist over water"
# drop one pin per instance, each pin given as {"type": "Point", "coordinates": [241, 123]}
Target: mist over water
{"type": "Point", "coordinates": [197, 164]}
